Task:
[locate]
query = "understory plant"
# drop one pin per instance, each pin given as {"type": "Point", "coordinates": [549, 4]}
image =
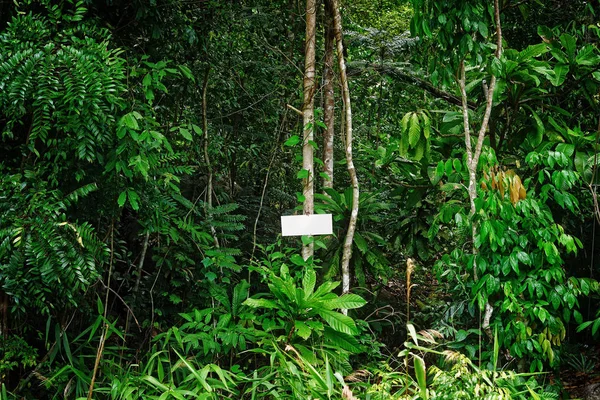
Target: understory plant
{"type": "Point", "coordinates": [429, 371]}
{"type": "Point", "coordinates": [519, 257]}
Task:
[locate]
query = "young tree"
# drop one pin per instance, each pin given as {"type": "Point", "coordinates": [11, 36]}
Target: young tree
{"type": "Point", "coordinates": [473, 154]}
{"type": "Point", "coordinates": [308, 117]}
{"type": "Point", "coordinates": [347, 251]}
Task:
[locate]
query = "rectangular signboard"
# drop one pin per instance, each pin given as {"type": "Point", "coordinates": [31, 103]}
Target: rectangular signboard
{"type": "Point", "coordinates": [298, 225]}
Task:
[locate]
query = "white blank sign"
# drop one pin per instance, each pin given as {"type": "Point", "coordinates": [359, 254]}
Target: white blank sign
{"type": "Point", "coordinates": [298, 225]}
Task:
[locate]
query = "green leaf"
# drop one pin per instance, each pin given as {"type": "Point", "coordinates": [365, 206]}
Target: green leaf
{"type": "Point", "coordinates": [405, 121]}
{"type": "Point", "coordinates": [421, 375]}
{"type": "Point", "coordinates": [302, 329]}
{"type": "Point", "coordinates": [533, 51]}
{"type": "Point", "coordinates": [414, 132]}
{"type": "Point", "coordinates": [133, 199]}
{"type": "Point", "coordinates": [308, 282]}
{"type": "Point", "coordinates": [426, 125]}
{"type": "Point", "coordinates": [496, 67]}
{"type": "Point", "coordinates": [122, 198]}
{"type": "Point", "coordinates": [292, 141]}
{"type": "Point", "coordinates": [302, 174]}
{"type": "Point", "coordinates": [186, 72]}
{"type": "Point", "coordinates": [483, 29]}
{"type": "Point", "coordinates": [260, 303]}
{"type": "Point", "coordinates": [419, 150]}
{"type": "Point", "coordinates": [569, 43]}
{"type": "Point", "coordinates": [560, 74]}
{"type": "Point", "coordinates": [185, 133]}
{"type": "Point", "coordinates": [341, 340]}
{"type": "Point", "coordinates": [347, 301]}
{"type": "Point", "coordinates": [339, 322]}
{"type": "Point", "coordinates": [413, 333]}
{"type": "Point", "coordinates": [587, 56]}
{"type": "Point", "coordinates": [360, 243]}
{"type": "Point", "coordinates": [197, 129]}
{"type": "Point", "coordinates": [130, 121]}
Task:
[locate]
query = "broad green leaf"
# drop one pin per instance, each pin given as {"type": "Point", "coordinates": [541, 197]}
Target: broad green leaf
{"type": "Point", "coordinates": [414, 132]}
{"type": "Point", "coordinates": [302, 174]}
{"type": "Point", "coordinates": [419, 150]}
{"type": "Point", "coordinates": [345, 301]}
{"type": "Point", "coordinates": [130, 121]}
{"type": "Point", "coordinates": [186, 72]}
{"type": "Point", "coordinates": [360, 243]}
{"type": "Point", "coordinates": [302, 329]}
{"type": "Point", "coordinates": [569, 43]}
{"type": "Point", "coordinates": [587, 56]}
{"type": "Point", "coordinates": [413, 333]}
{"type": "Point", "coordinates": [421, 375]}
{"type": "Point", "coordinates": [342, 340]}
{"type": "Point", "coordinates": [133, 199]}
{"type": "Point", "coordinates": [533, 51]}
{"type": "Point", "coordinates": [185, 133]}
{"type": "Point", "coordinates": [197, 129]}
{"type": "Point", "coordinates": [308, 282]}
{"type": "Point", "coordinates": [122, 198]}
{"type": "Point", "coordinates": [483, 29]}
{"type": "Point", "coordinates": [339, 322]}
{"type": "Point", "coordinates": [292, 141]}
{"type": "Point", "coordinates": [560, 74]}
{"type": "Point", "coordinates": [260, 303]}
{"type": "Point", "coordinates": [496, 67]}
{"type": "Point", "coordinates": [405, 121]}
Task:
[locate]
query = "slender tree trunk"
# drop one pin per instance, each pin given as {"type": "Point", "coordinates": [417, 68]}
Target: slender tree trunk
{"type": "Point", "coordinates": [308, 117]}
{"type": "Point", "coordinates": [209, 186]}
{"type": "Point", "coordinates": [329, 100]}
{"type": "Point", "coordinates": [347, 250]}
{"type": "Point", "coordinates": [473, 155]}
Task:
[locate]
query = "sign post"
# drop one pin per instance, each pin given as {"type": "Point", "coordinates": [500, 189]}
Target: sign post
{"type": "Point", "coordinates": [299, 225]}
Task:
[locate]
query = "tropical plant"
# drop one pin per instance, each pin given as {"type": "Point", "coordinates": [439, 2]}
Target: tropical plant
{"type": "Point", "coordinates": [295, 313]}
{"type": "Point", "coordinates": [368, 256]}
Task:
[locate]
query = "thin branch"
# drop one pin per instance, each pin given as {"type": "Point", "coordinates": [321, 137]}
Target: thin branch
{"type": "Point", "coordinates": [357, 68]}
{"type": "Point", "coordinates": [291, 107]}
{"type": "Point", "coordinates": [465, 110]}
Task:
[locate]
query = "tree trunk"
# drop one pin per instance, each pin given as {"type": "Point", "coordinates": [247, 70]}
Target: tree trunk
{"type": "Point", "coordinates": [308, 116]}
{"type": "Point", "coordinates": [473, 155]}
{"type": "Point", "coordinates": [328, 101]}
{"type": "Point", "coordinates": [347, 251]}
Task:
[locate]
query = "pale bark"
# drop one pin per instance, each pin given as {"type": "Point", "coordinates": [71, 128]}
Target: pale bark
{"type": "Point", "coordinates": [209, 186]}
{"type": "Point", "coordinates": [347, 250]}
{"type": "Point", "coordinates": [308, 117]}
{"type": "Point", "coordinates": [328, 99]}
{"type": "Point", "coordinates": [473, 155]}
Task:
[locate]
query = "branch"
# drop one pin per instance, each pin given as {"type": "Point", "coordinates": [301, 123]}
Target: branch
{"type": "Point", "coordinates": [490, 97]}
{"type": "Point", "coordinates": [465, 110]}
{"type": "Point", "coordinates": [356, 68]}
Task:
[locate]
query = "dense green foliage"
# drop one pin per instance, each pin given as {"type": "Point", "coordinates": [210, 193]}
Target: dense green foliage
{"type": "Point", "coordinates": [123, 276]}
